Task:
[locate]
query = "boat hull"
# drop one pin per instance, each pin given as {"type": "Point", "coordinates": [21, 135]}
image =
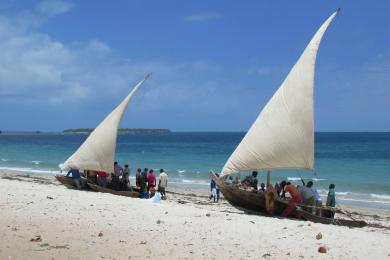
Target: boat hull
{"type": "Point", "coordinates": [69, 182]}
{"type": "Point", "coordinates": [255, 201]}
{"type": "Point", "coordinates": [133, 194]}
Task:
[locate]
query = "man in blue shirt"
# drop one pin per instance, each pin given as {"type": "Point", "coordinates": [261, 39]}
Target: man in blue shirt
{"type": "Point", "coordinates": [76, 177]}
{"type": "Point", "coordinates": [214, 190]}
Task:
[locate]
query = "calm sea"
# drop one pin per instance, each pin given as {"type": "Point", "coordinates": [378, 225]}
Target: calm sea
{"type": "Point", "coordinates": [357, 163]}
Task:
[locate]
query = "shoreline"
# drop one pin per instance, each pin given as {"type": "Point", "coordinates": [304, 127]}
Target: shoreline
{"type": "Point", "coordinates": [361, 200]}
{"type": "Point", "coordinates": [73, 224]}
{"type": "Point", "coordinates": [197, 193]}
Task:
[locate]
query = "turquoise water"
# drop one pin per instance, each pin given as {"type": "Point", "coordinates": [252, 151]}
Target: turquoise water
{"type": "Point", "coordinates": [358, 163]}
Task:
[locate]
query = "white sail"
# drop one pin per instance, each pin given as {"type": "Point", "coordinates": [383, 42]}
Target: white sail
{"type": "Point", "coordinates": [283, 134]}
{"type": "Point", "coordinates": [98, 150]}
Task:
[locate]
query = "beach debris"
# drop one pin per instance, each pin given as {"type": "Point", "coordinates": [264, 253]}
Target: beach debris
{"type": "Point", "coordinates": [251, 221]}
{"type": "Point", "coordinates": [319, 236]}
{"type": "Point", "coordinates": [100, 234]}
{"type": "Point", "coordinates": [158, 221]}
{"type": "Point", "coordinates": [37, 238]}
{"type": "Point", "coordinates": [266, 255]}
{"type": "Point", "coordinates": [208, 214]}
{"type": "Point", "coordinates": [166, 212]}
{"type": "Point", "coordinates": [14, 229]}
{"type": "Point", "coordinates": [309, 224]}
{"type": "Point", "coordinates": [322, 249]}
{"type": "Point", "coordinates": [143, 243]}
{"type": "Point", "coordinates": [50, 198]}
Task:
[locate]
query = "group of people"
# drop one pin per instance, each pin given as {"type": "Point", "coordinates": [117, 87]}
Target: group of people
{"type": "Point", "coordinates": [146, 180]}
{"type": "Point", "coordinates": [305, 194]}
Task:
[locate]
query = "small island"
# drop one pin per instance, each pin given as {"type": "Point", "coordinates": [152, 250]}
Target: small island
{"type": "Point", "coordinates": [121, 131]}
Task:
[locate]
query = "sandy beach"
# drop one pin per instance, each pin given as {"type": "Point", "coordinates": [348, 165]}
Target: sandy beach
{"type": "Point", "coordinates": [42, 219]}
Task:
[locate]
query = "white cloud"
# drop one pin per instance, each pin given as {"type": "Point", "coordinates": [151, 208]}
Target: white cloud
{"type": "Point", "coordinates": [202, 17]}
{"type": "Point", "coordinates": [35, 68]}
{"type": "Point", "coordinates": [53, 7]}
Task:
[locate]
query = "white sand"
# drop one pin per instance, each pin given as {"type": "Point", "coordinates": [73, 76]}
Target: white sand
{"type": "Point", "coordinates": [70, 222]}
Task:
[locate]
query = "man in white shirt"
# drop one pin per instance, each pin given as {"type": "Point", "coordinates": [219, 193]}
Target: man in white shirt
{"type": "Point", "coordinates": [317, 197]}
{"type": "Point", "coordinates": [163, 184]}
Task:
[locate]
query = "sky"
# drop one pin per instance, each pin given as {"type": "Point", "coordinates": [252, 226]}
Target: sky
{"type": "Point", "coordinates": [67, 64]}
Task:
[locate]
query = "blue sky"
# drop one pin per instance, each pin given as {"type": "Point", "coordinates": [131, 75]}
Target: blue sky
{"type": "Point", "coordinates": [215, 64]}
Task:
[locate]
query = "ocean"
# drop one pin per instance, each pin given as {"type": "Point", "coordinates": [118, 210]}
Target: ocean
{"type": "Point", "coordinates": [357, 163]}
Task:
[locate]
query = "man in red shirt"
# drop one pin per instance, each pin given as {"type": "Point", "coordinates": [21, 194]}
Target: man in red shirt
{"type": "Point", "coordinates": [295, 198]}
{"type": "Point", "coordinates": [102, 178]}
{"type": "Point", "coordinates": [151, 180]}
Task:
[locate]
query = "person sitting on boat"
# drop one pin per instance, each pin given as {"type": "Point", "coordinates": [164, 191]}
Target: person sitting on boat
{"type": "Point", "coordinates": [151, 177]}
{"type": "Point", "coordinates": [277, 189]}
{"type": "Point", "coordinates": [331, 199]}
{"type": "Point", "coordinates": [162, 184]}
{"type": "Point", "coordinates": [236, 181]}
{"type": "Point", "coordinates": [307, 196]}
{"type": "Point", "coordinates": [295, 199]}
{"type": "Point", "coordinates": [262, 186]}
{"type": "Point", "coordinates": [91, 176]}
{"type": "Point", "coordinates": [125, 182]}
{"type": "Point", "coordinates": [138, 178]}
{"type": "Point", "coordinates": [250, 181]}
{"type": "Point", "coordinates": [76, 177]}
{"type": "Point", "coordinates": [283, 192]}
{"type": "Point", "coordinates": [253, 180]}
{"type": "Point", "coordinates": [102, 178]}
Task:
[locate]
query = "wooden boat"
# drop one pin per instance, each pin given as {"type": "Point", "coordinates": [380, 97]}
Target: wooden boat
{"type": "Point", "coordinates": [97, 153]}
{"type": "Point", "coordinates": [335, 221]}
{"type": "Point", "coordinates": [69, 182]}
{"type": "Point", "coordinates": [255, 200]}
{"type": "Point", "coordinates": [133, 193]}
{"type": "Point", "coordinates": [282, 137]}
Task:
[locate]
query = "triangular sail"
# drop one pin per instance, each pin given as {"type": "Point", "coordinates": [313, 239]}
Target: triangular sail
{"type": "Point", "coordinates": [98, 150]}
{"type": "Point", "coordinates": [283, 134]}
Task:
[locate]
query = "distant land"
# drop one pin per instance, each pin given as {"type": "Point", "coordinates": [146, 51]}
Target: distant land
{"type": "Point", "coordinates": [89, 130]}
{"type": "Point", "coordinates": [121, 130]}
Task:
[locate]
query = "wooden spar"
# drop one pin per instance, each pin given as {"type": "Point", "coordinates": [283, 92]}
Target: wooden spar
{"type": "Point", "coordinates": [268, 178]}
